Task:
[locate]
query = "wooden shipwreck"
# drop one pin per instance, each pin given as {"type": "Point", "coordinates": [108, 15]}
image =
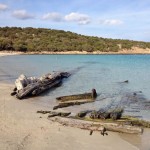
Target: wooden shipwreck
{"type": "Point", "coordinates": [78, 99]}
{"type": "Point", "coordinates": [125, 124]}
{"type": "Point", "coordinates": [115, 113]}
{"type": "Point", "coordinates": [34, 86]}
{"type": "Point", "coordinates": [91, 95]}
{"type": "Point", "coordinates": [98, 126]}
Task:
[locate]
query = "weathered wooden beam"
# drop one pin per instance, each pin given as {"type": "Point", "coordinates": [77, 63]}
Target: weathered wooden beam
{"type": "Point", "coordinates": [115, 114]}
{"type": "Point", "coordinates": [83, 113]}
{"type": "Point", "coordinates": [43, 111]}
{"type": "Point", "coordinates": [43, 88]}
{"type": "Point", "coordinates": [91, 95]}
{"type": "Point", "coordinates": [67, 104]}
{"type": "Point", "coordinates": [97, 126]}
{"type": "Point", "coordinates": [53, 113]}
{"type": "Point", "coordinates": [62, 114]}
{"type": "Point", "coordinates": [35, 86]}
{"type": "Point", "coordinates": [27, 90]}
{"type": "Point", "coordinates": [13, 93]}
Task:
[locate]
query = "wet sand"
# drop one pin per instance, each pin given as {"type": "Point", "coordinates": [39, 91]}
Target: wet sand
{"type": "Point", "coordinates": [22, 128]}
{"type": "Point", "coordinates": [140, 141]}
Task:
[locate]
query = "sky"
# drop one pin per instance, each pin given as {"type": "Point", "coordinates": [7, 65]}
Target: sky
{"type": "Point", "coordinates": [117, 19]}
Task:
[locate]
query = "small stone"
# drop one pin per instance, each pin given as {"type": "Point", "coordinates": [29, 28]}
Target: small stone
{"type": "Point", "coordinates": [91, 132]}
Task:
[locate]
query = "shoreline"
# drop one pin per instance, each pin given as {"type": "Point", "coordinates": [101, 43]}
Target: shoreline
{"type": "Point", "coordinates": [17, 115]}
{"type": "Point", "coordinates": [9, 53]}
{"type": "Point", "coordinates": [134, 51]}
{"type": "Point", "coordinates": [20, 115]}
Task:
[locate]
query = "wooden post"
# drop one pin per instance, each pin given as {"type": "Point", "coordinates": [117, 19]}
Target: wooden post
{"type": "Point", "coordinates": [94, 94]}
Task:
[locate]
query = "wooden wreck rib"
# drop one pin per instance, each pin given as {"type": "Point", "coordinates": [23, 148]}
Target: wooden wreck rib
{"type": "Point", "coordinates": [114, 114]}
{"type": "Point", "coordinates": [97, 126]}
{"type": "Point", "coordinates": [91, 95]}
{"type": "Point", "coordinates": [67, 104]}
{"type": "Point", "coordinates": [78, 99]}
{"type": "Point", "coordinates": [82, 114]}
{"type": "Point", "coordinates": [41, 88]}
{"type": "Point", "coordinates": [53, 113]}
{"type": "Point", "coordinates": [34, 86]}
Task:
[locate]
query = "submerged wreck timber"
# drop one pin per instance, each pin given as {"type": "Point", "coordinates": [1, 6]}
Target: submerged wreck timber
{"type": "Point", "coordinates": [53, 113]}
{"type": "Point", "coordinates": [32, 86]}
{"type": "Point", "coordinates": [90, 95]}
{"type": "Point", "coordinates": [114, 114]}
{"type": "Point", "coordinates": [78, 99]}
{"type": "Point", "coordinates": [62, 105]}
{"type": "Point", "coordinates": [125, 124]}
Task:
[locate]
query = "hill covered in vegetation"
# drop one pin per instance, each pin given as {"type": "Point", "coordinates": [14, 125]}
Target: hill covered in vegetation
{"type": "Point", "coordinates": [41, 39]}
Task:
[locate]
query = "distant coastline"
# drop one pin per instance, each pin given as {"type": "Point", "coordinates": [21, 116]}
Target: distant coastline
{"type": "Point", "coordinates": [49, 41]}
{"type": "Point", "coordinates": [134, 50]}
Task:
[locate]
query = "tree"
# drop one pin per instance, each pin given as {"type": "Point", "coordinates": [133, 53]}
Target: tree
{"type": "Point", "coordinates": [20, 46]}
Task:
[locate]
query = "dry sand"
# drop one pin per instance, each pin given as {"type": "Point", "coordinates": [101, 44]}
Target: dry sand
{"type": "Point", "coordinates": [134, 50]}
{"type": "Point", "coordinates": [21, 128]}
{"type": "Point", "coordinates": [7, 53]}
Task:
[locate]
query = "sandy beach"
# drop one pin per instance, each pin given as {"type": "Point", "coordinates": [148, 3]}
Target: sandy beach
{"type": "Point", "coordinates": [74, 75]}
{"type": "Point", "coordinates": [7, 53]}
{"type": "Point", "coordinates": [22, 128]}
{"type": "Point", "coordinates": [134, 50]}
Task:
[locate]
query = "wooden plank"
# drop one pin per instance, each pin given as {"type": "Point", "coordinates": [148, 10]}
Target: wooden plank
{"type": "Point", "coordinates": [62, 105]}
{"type": "Point", "coordinates": [97, 126]}
{"type": "Point", "coordinates": [91, 95]}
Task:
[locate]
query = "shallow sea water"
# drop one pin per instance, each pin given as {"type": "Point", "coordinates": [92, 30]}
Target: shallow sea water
{"type": "Point", "coordinates": [105, 73]}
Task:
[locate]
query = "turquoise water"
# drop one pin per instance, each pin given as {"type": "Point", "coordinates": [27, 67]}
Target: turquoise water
{"type": "Point", "coordinates": [105, 73]}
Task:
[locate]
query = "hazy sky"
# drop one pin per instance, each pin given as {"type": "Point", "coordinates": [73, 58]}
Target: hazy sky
{"type": "Point", "coordinates": [121, 19]}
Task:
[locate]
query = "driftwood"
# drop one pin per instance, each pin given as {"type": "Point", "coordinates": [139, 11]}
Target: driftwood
{"type": "Point", "coordinates": [91, 95]}
{"type": "Point", "coordinates": [62, 114]}
{"type": "Point", "coordinates": [116, 113]}
{"type": "Point", "coordinates": [97, 126]}
{"type": "Point", "coordinates": [43, 111]}
{"type": "Point", "coordinates": [13, 93]}
{"type": "Point", "coordinates": [41, 88]}
{"type": "Point", "coordinates": [67, 104]}
{"type": "Point", "coordinates": [71, 100]}
{"type": "Point", "coordinates": [91, 132]}
{"type": "Point", "coordinates": [34, 86]}
{"type": "Point", "coordinates": [106, 114]}
{"type": "Point", "coordinates": [83, 113]}
{"type": "Point", "coordinates": [53, 114]}
{"type": "Point", "coordinates": [100, 114]}
{"type": "Point", "coordinates": [126, 81]}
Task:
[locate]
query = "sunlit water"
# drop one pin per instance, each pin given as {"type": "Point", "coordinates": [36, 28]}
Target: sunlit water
{"type": "Point", "coordinates": [105, 73]}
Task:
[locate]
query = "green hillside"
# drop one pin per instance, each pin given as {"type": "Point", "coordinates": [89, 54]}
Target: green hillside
{"type": "Point", "coordinates": [40, 39]}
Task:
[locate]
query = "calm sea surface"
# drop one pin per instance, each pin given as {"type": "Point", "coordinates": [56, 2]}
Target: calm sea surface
{"type": "Point", "coordinates": [105, 73]}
